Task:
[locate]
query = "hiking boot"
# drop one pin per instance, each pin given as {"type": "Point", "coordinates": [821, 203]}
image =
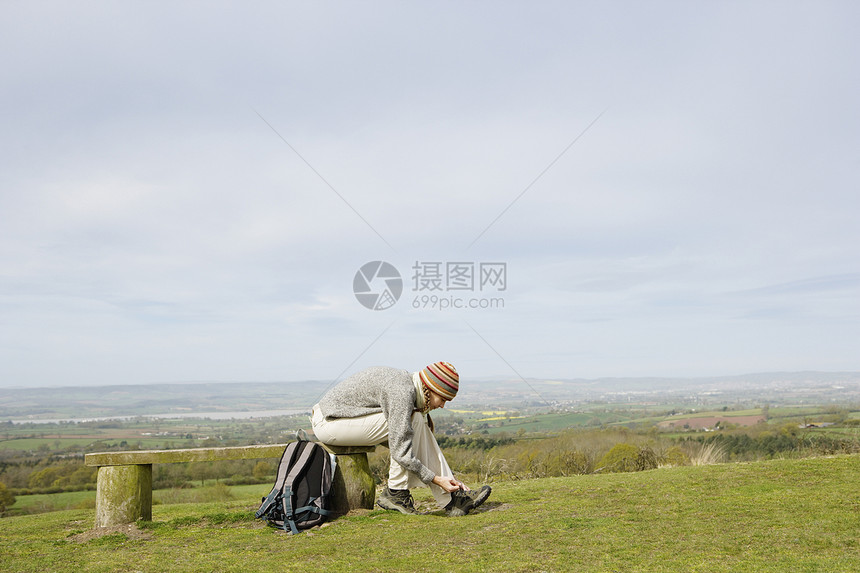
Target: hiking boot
{"type": "Point", "coordinates": [397, 500]}
{"type": "Point", "coordinates": [462, 502]}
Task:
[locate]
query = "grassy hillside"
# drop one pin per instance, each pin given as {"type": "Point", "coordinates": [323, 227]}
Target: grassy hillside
{"type": "Point", "coordinates": [779, 515]}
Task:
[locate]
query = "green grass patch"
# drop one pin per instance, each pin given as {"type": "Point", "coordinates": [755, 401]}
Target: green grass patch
{"type": "Point", "coordinates": [40, 503]}
{"type": "Point", "coordinates": [778, 515]}
{"type": "Point", "coordinates": [794, 411]}
{"type": "Point", "coordinates": [54, 501]}
{"type": "Point", "coordinates": [546, 422]}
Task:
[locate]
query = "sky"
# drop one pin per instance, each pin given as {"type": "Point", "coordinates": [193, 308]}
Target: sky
{"type": "Point", "coordinates": [188, 189]}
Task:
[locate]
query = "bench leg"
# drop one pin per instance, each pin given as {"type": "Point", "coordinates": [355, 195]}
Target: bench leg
{"type": "Point", "coordinates": [352, 486]}
{"type": "Point", "coordinates": [123, 495]}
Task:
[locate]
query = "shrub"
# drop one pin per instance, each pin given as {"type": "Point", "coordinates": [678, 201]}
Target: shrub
{"type": "Point", "coordinates": [263, 470]}
{"type": "Point", "coordinates": [567, 463]}
{"type": "Point", "coordinates": [646, 459]}
{"type": "Point", "coordinates": [217, 492]}
{"type": "Point", "coordinates": [44, 477]}
{"type": "Point", "coordinates": [621, 458]}
{"type": "Point", "coordinates": [7, 499]}
{"type": "Point", "coordinates": [675, 456]}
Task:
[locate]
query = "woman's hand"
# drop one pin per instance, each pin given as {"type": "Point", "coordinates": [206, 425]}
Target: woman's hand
{"type": "Point", "coordinates": [450, 484]}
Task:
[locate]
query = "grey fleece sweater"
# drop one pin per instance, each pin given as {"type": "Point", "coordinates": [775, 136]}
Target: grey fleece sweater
{"type": "Point", "coordinates": [381, 389]}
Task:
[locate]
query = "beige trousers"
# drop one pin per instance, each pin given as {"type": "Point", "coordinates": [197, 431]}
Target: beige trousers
{"type": "Point", "coordinates": [372, 430]}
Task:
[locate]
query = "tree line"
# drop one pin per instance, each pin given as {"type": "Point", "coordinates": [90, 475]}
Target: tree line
{"type": "Point", "coordinates": [476, 457]}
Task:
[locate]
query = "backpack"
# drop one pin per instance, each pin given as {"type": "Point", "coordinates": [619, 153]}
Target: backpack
{"type": "Point", "coordinates": [300, 497]}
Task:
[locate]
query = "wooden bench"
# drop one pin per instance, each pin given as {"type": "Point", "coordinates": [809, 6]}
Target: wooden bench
{"type": "Point", "coordinates": [124, 486]}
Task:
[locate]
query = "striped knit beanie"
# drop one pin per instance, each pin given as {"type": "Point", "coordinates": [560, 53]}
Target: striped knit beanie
{"type": "Point", "coordinates": [442, 378]}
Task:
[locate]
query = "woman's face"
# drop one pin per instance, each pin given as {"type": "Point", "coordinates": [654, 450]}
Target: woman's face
{"type": "Point", "coordinates": [436, 401]}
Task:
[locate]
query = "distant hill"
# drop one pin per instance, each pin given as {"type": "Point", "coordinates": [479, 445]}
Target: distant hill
{"type": "Point", "coordinates": [766, 386]}
{"type": "Point", "coordinates": [135, 400]}
{"type": "Point", "coordinates": [504, 392]}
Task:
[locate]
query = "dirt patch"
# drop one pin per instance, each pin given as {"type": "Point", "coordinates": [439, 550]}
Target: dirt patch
{"type": "Point", "coordinates": [493, 506]}
{"type": "Point", "coordinates": [131, 531]}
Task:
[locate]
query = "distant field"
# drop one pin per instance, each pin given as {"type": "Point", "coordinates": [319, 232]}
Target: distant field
{"type": "Point", "coordinates": [545, 422]}
{"type": "Point", "coordinates": [26, 444]}
{"type": "Point", "coordinates": [701, 422]}
{"type": "Point", "coordinates": [785, 411]}
{"type": "Point", "coordinates": [855, 431]}
{"type": "Point", "coordinates": [724, 413]}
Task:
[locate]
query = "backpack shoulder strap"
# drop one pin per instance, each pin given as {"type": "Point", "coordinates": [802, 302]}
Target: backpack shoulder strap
{"type": "Point", "coordinates": [315, 504]}
{"type": "Point", "coordinates": [297, 469]}
{"type": "Point", "coordinates": [283, 466]}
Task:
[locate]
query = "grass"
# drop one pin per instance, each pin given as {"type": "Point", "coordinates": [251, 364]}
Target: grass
{"type": "Point", "coordinates": [778, 515]}
{"type": "Point", "coordinates": [708, 454]}
{"type": "Point", "coordinates": [43, 502]}
{"type": "Point", "coordinates": [53, 501]}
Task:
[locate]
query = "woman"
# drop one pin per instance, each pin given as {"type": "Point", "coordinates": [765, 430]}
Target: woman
{"type": "Point", "coordinates": [387, 404]}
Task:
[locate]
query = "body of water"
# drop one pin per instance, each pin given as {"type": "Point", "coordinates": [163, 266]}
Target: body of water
{"type": "Point", "coordinates": [176, 415]}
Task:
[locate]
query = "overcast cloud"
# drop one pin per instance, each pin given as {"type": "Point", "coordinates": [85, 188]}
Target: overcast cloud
{"type": "Point", "coordinates": [156, 225]}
